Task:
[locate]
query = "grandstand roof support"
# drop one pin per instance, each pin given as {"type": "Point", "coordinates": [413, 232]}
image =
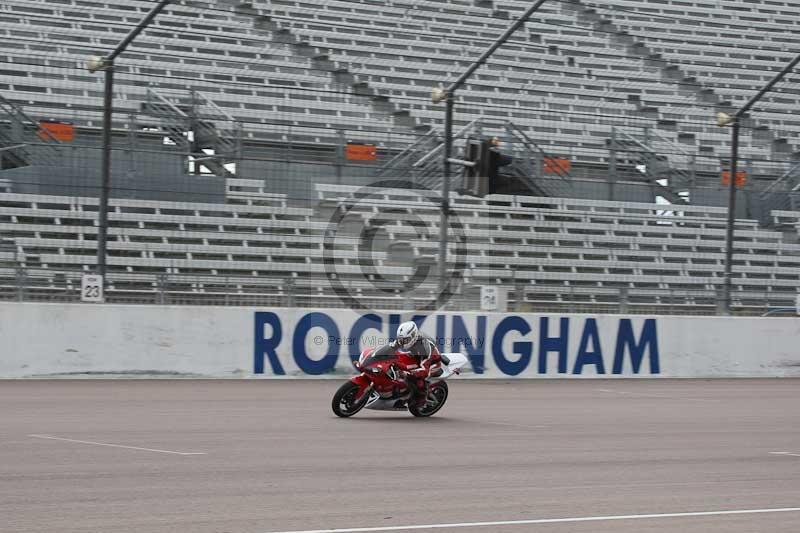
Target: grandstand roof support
{"type": "Point", "coordinates": [723, 119]}
{"type": "Point", "coordinates": [444, 219]}
{"type": "Point", "coordinates": [448, 96]}
{"type": "Point", "coordinates": [107, 64]}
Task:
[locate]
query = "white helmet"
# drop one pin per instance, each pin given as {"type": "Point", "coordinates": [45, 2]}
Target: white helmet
{"type": "Point", "coordinates": [407, 335]}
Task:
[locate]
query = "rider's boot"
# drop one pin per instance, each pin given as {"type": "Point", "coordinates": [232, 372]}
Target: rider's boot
{"type": "Point", "coordinates": [419, 392]}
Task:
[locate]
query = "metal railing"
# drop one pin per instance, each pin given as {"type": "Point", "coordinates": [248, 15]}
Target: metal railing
{"type": "Point", "coordinates": [45, 285]}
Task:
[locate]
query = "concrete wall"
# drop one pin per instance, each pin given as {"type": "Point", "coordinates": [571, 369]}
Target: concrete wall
{"type": "Point", "coordinates": [73, 339]}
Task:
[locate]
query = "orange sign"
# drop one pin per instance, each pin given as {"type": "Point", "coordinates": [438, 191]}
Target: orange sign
{"type": "Point", "coordinates": [60, 131]}
{"type": "Point", "coordinates": [741, 178]}
{"type": "Point", "coordinates": [556, 165]}
{"type": "Point", "coordinates": [361, 152]}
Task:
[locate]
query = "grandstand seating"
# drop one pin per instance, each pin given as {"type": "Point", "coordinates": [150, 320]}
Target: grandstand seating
{"type": "Point", "coordinates": [575, 76]}
{"type": "Point", "coordinates": [299, 69]}
{"type": "Point", "coordinates": [579, 73]}
{"type": "Point", "coordinates": [557, 251]}
{"type": "Point", "coordinates": [706, 51]}
{"type": "Point", "coordinates": [249, 72]}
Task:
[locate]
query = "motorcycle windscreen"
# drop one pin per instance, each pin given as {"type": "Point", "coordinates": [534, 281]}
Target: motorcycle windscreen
{"type": "Point", "coordinates": [383, 353]}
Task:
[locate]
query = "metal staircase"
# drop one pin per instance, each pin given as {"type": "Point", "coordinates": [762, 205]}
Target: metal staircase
{"type": "Point", "coordinates": [783, 194]}
{"type": "Point", "coordinates": [530, 166]}
{"type": "Point", "coordinates": [402, 165]}
{"type": "Point", "coordinates": [211, 137]}
{"type": "Point", "coordinates": [22, 141]}
{"type": "Point", "coordinates": [647, 154]}
{"type": "Point", "coordinates": [421, 162]}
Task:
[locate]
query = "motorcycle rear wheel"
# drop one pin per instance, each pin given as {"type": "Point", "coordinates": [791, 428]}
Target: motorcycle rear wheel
{"type": "Point", "coordinates": [344, 401]}
{"type": "Point", "coordinates": [437, 396]}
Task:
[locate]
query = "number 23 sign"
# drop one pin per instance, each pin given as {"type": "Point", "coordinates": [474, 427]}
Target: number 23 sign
{"type": "Point", "coordinates": [92, 288]}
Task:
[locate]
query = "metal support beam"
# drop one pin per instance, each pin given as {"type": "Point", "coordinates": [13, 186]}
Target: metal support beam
{"type": "Point", "coordinates": [341, 155]}
{"type": "Point", "coordinates": [448, 96]}
{"type": "Point", "coordinates": [105, 184]}
{"type": "Point", "coordinates": [107, 65]}
{"type": "Point", "coordinates": [494, 46]}
{"type": "Point", "coordinates": [612, 165]}
{"type": "Point", "coordinates": [444, 220]}
{"type": "Point", "coordinates": [778, 77]}
{"type": "Point", "coordinates": [735, 121]}
{"type": "Point", "coordinates": [145, 22]}
{"type": "Point", "coordinates": [728, 281]}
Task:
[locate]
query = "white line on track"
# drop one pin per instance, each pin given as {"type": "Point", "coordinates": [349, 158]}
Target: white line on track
{"type": "Point", "coordinates": [509, 424]}
{"type": "Point", "coordinates": [785, 453]}
{"type": "Point", "coordinates": [653, 396]}
{"type": "Point", "coordinates": [549, 521]}
{"type": "Point", "coordinates": [50, 437]}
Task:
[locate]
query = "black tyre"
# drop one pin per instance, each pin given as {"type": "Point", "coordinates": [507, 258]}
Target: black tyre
{"type": "Point", "coordinates": [437, 396]}
{"type": "Point", "coordinates": [344, 401]}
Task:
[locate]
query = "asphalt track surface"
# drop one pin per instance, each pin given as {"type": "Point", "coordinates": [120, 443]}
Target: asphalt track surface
{"type": "Point", "coordinates": [265, 456]}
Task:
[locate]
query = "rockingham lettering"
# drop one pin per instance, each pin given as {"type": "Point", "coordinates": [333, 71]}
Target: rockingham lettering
{"type": "Point", "coordinates": [567, 345]}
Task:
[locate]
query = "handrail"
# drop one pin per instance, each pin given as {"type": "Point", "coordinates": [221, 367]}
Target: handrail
{"type": "Point", "coordinates": [389, 164]}
{"type": "Point", "coordinates": [649, 150]}
{"type": "Point", "coordinates": [791, 173]}
{"type": "Point", "coordinates": [515, 131]}
{"type": "Point", "coordinates": [210, 103]}
{"type": "Point", "coordinates": [671, 143]}
{"type": "Point", "coordinates": [14, 147]}
{"type": "Point", "coordinates": [634, 140]}
{"type": "Point", "coordinates": [164, 101]}
{"type": "Point", "coordinates": [12, 108]}
{"type": "Point", "coordinates": [776, 310]}
{"type": "Point", "coordinates": [440, 147]}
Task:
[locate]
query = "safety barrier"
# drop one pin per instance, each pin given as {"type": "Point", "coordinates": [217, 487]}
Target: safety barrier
{"type": "Point", "coordinates": [38, 340]}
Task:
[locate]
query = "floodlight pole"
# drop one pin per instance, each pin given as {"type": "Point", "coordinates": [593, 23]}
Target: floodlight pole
{"type": "Point", "coordinates": [106, 64]}
{"type": "Point", "coordinates": [105, 188]}
{"type": "Point", "coordinates": [445, 215]}
{"type": "Point", "coordinates": [448, 96]}
{"type": "Point", "coordinates": [734, 121]}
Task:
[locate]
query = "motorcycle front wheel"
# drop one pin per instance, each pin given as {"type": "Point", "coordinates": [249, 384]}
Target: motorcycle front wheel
{"type": "Point", "coordinates": [437, 395]}
{"type": "Point", "coordinates": [344, 401]}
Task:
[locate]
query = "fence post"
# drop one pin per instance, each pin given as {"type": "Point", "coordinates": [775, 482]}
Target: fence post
{"type": "Point", "coordinates": [612, 163]}
{"type": "Point", "coordinates": [624, 300]}
{"type": "Point", "coordinates": [290, 293]}
{"type": "Point", "coordinates": [340, 155]}
{"type": "Point", "coordinates": [721, 301]}
{"type": "Point", "coordinates": [161, 283]}
{"type": "Point", "coordinates": [20, 280]}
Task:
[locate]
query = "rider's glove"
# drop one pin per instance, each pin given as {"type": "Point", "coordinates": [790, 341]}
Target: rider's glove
{"type": "Point", "coordinates": [419, 373]}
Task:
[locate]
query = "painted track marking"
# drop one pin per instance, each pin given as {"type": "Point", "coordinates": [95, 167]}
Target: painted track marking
{"type": "Point", "coordinates": [785, 453]}
{"type": "Point", "coordinates": [549, 521]}
{"type": "Point", "coordinates": [50, 437]}
{"type": "Point", "coordinates": [508, 424]}
{"type": "Point", "coordinates": [653, 396]}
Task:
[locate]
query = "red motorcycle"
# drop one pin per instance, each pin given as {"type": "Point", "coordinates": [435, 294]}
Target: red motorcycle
{"type": "Point", "coordinates": [381, 385]}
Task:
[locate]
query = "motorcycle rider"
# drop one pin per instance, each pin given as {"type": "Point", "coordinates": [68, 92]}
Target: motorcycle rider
{"type": "Point", "coordinates": [409, 339]}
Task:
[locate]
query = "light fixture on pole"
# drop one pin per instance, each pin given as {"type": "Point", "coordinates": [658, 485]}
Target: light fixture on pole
{"type": "Point", "coordinates": [95, 63]}
{"type": "Point", "coordinates": [438, 95]}
{"type": "Point", "coordinates": [724, 119]}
